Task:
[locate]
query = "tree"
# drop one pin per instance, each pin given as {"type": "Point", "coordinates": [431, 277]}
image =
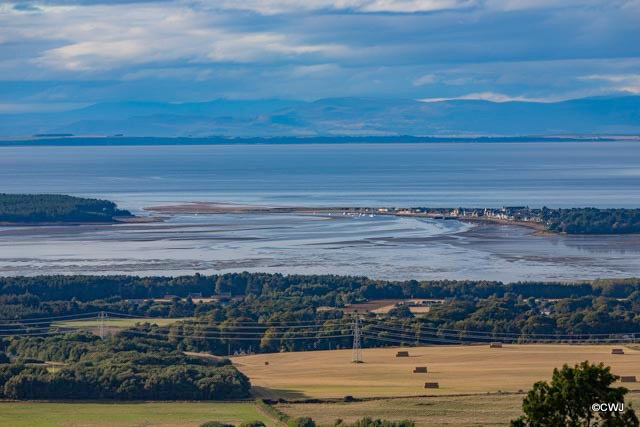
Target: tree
{"type": "Point", "coordinates": [302, 422]}
{"type": "Point", "coordinates": [402, 312]}
{"type": "Point", "coordinates": [568, 400]}
{"type": "Point", "coordinates": [269, 341]}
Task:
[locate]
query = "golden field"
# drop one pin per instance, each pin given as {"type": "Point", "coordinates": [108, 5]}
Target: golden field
{"type": "Point", "coordinates": [474, 410]}
{"type": "Point", "coordinates": [457, 370]}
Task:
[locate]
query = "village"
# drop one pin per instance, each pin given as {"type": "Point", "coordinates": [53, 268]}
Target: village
{"type": "Point", "coordinates": [515, 214]}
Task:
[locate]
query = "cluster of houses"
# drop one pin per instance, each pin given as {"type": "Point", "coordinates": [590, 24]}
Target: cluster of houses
{"type": "Point", "coordinates": [514, 213]}
{"type": "Point", "coordinates": [511, 213]}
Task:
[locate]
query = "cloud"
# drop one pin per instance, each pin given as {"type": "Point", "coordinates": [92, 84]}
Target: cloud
{"type": "Point", "coordinates": [274, 7]}
{"type": "Point", "coordinates": [620, 82]}
{"type": "Point", "coordinates": [425, 80]}
{"type": "Point", "coordinates": [500, 50]}
{"type": "Point", "coordinates": [96, 38]}
{"type": "Point", "coordinates": [491, 96]}
{"type": "Point", "coordinates": [314, 70]}
{"type": "Point", "coordinates": [263, 46]}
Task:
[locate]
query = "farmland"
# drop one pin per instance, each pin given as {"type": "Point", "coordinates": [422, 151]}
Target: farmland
{"type": "Point", "coordinates": [165, 414]}
{"type": "Point", "coordinates": [116, 323]}
{"type": "Point", "coordinates": [478, 410]}
{"type": "Point", "coordinates": [478, 385]}
{"type": "Point", "coordinates": [457, 369]}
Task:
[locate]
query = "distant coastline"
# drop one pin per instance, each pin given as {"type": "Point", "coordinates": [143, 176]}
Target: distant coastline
{"type": "Point", "coordinates": [76, 141]}
{"type": "Point", "coordinates": [575, 221]}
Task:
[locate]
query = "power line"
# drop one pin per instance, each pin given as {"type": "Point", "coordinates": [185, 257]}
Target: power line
{"type": "Point", "coordinates": [134, 332]}
{"type": "Point", "coordinates": [419, 328]}
{"type": "Point", "coordinates": [43, 320]}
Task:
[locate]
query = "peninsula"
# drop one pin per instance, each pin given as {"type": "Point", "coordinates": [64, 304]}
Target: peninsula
{"type": "Point", "coordinates": [47, 209]}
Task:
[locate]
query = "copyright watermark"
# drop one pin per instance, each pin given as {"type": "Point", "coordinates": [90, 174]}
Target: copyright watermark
{"type": "Point", "coordinates": [607, 407]}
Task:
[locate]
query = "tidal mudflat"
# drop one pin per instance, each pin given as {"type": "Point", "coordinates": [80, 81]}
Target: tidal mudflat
{"type": "Point", "coordinates": [600, 174]}
{"type": "Point", "coordinates": [383, 247]}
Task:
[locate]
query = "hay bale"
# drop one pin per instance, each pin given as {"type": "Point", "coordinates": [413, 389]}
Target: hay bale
{"type": "Point", "coordinates": [420, 370]}
{"type": "Point", "coordinates": [495, 345]}
{"type": "Point", "coordinates": [628, 379]}
{"type": "Point", "coordinates": [402, 354]}
{"type": "Point", "coordinates": [617, 351]}
{"type": "Point", "coordinates": [431, 385]}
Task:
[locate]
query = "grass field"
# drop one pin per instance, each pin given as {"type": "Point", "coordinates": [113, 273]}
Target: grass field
{"type": "Point", "coordinates": [480, 410]}
{"type": "Point", "coordinates": [116, 323]}
{"type": "Point", "coordinates": [457, 369]}
{"type": "Point", "coordinates": [35, 414]}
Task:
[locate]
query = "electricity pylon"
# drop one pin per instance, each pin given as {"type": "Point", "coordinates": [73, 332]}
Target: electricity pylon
{"type": "Point", "coordinates": [357, 349]}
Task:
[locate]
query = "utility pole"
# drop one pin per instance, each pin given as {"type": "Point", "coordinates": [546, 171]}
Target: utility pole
{"type": "Point", "coordinates": [357, 350]}
{"type": "Point", "coordinates": [102, 316]}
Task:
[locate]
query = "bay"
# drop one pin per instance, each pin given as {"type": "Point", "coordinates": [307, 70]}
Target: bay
{"type": "Point", "coordinates": [601, 174]}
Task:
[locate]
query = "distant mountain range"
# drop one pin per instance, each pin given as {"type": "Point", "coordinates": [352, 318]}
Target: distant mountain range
{"type": "Point", "coordinates": [335, 117]}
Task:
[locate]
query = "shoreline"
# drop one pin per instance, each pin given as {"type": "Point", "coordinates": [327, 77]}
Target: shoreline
{"type": "Point", "coordinates": [205, 208]}
{"type": "Point", "coordinates": [132, 220]}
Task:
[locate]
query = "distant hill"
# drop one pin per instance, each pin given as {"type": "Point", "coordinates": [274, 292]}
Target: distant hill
{"type": "Point", "coordinates": [335, 117]}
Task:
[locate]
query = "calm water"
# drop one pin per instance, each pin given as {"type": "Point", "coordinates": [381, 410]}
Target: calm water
{"type": "Point", "coordinates": [551, 174]}
{"type": "Point", "coordinates": [534, 174]}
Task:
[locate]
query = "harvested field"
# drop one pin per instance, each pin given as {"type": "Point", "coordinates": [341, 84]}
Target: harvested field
{"type": "Point", "coordinates": [383, 306]}
{"type": "Point", "coordinates": [374, 306]}
{"type": "Point", "coordinates": [457, 370]}
{"type": "Point", "coordinates": [479, 410]}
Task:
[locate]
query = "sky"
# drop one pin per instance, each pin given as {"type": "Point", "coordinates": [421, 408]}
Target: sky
{"type": "Point", "coordinates": [59, 54]}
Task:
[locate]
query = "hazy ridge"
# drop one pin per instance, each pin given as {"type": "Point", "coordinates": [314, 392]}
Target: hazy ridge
{"type": "Point", "coordinates": [335, 117]}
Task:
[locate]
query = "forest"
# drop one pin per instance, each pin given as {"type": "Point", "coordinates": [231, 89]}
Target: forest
{"type": "Point", "coordinates": [118, 367]}
{"type": "Point", "coordinates": [263, 311]}
{"type": "Point", "coordinates": [592, 220]}
{"type": "Point", "coordinates": [39, 208]}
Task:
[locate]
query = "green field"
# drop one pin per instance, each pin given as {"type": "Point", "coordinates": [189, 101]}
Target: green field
{"type": "Point", "coordinates": [116, 323]}
{"type": "Point", "coordinates": [35, 414]}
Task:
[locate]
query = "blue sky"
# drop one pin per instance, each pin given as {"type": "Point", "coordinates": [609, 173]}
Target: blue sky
{"type": "Point", "coordinates": [57, 54]}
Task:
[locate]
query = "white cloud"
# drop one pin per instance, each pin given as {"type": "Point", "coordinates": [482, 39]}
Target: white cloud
{"type": "Point", "coordinates": [100, 37]}
{"type": "Point", "coordinates": [491, 96]}
{"type": "Point", "coordinates": [273, 7]}
{"type": "Point", "coordinates": [425, 80]}
{"type": "Point", "coordinates": [620, 82]}
{"type": "Point", "coordinates": [547, 4]}
{"type": "Point", "coordinates": [410, 6]}
{"type": "Point", "coordinates": [314, 70]}
{"type": "Point", "coordinates": [257, 46]}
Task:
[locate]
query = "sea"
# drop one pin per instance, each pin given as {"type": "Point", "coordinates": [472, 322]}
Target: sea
{"type": "Point", "coordinates": [553, 174]}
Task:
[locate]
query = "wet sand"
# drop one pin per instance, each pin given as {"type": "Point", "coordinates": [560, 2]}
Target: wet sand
{"type": "Point", "coordinates": [230, 208]}
{"type": "Point", "coordinates": [385, 247]}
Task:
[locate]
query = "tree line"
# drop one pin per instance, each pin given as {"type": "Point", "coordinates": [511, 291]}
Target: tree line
{"type": "Point", "coordinates": [592, 220]}
{"type": "Point", "coordinates": [120, 368]}
{"type": "Point", "coordinates": [273, 303]}
{"type": "Point", "coordinates": [34, 208]}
